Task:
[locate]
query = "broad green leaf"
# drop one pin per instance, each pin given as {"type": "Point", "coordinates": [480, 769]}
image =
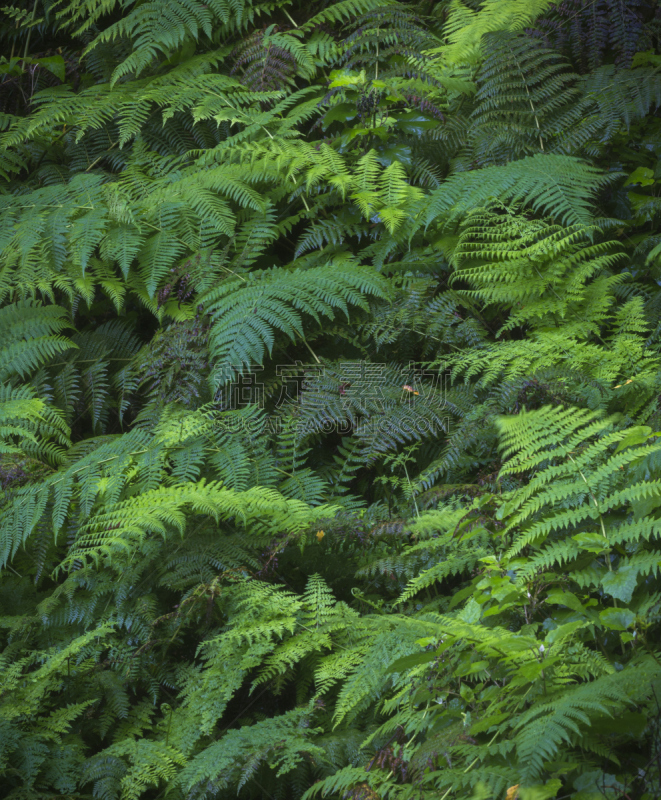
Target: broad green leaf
{"type": "Point", "coordinates": [54, 64]}
{"type": "Point", "coordinates": [643, 176]}
{"type": "Point", "coordinates": [621, 583]}
{"type": "Point", "coordinates": [592, 542]}
{"type": "Point", "coordinates": [636, 435]}
{"type": "Point", "coordinates": [407, 662]}
{"type": "Point", "coordinates": [617, 619]}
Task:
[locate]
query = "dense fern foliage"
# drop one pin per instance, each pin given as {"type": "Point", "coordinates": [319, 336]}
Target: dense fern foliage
{"type": "Point", "coordinates": [330, 400]}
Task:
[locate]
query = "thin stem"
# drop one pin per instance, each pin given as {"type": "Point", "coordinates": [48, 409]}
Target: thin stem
{"type": "Point", "coordinates": [539, 132]}
{"type": "Point", "coordinates": [96, 160]}
{"type": "Point", "coordinates": [27, 43]}
{"type": "Point", "coordinates": [103, 461]}
{"type": "Point", "coordinates": [289, 17]}
{"type": "Point", "coordinates": [314, 355]}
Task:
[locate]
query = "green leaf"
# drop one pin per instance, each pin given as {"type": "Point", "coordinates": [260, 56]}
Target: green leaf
{"type": "Point", "coordinates": [643, 507]}
{"type": "Point", "coordinates": [461, 595]}
{"type": "Point", "coordinates": [617, 619]}
{"type": "Point", "coordinates": [346, 78]}
{"type": "Point", "coordinates": [563, 631]}
{"type": "Point", "coordinates": [340, 113]}
{"type": "Point", "coordinates": [592, 542]}
{"type": "Point", "coordinates": [407, 662]}
{"type": "Point", "coordinates": [471, 668]}
{"type": "Point", "coordinates": [646, 57]}
{"type": "Point", "coordinates": [620, 584]}
{"type": "Point", "coordinates": [54, 64]}
{"type": "Point", "coordinates": [415, 124]}
{"type": "Point", "coordinates": [566, 599]}
{"type": "Point", "coordinates": [643, 176]}
{"type": "Point", "coordinates": [637, 435]}
{"type": "Point", "coordinates": [471, 613]}
{"type": "Point", "coordinates": [399, 153]}
{"type": "Point", "coordinates": [545, 792]}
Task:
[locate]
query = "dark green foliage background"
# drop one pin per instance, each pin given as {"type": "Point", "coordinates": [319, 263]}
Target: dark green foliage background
{"type": "Point", "coordinates": [445, 589]}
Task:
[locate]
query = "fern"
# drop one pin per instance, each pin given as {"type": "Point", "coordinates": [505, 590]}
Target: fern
{"type": "Point", "coordinates": [559, 317]}
{"type": "Point", "coordinates": [525, 94]}
{"type": "Point", "coordinates": [245, 313]}
{"type": "Point", "coordinates": [421, 554]}
{"type": "Point", "coordinates": [559, 187]}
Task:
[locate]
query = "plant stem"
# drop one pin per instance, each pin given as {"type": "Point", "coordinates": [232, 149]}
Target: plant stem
{"type": "Point", "coordinates": [27, 43]}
